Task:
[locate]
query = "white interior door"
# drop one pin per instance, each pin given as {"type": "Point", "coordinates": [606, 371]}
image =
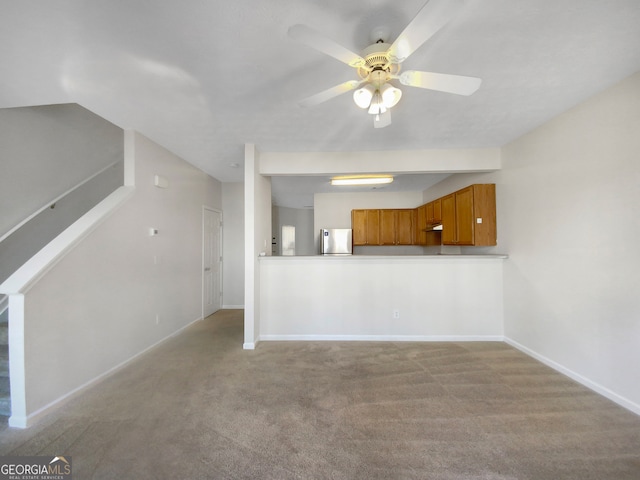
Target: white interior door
{"type": "Point", "coordinates": [211, 261]}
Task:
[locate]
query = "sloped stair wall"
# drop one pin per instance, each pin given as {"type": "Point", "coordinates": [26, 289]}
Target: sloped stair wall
{"type": "Point", "coordinates": [58, 162]}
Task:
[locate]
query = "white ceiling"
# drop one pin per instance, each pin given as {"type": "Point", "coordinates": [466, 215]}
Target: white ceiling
{"type": "Point", "coordinates": [204, 77]}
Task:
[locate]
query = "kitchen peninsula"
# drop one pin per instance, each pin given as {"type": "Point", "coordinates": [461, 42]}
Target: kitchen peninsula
{"type": "Point", "coordinates": [392, 298]}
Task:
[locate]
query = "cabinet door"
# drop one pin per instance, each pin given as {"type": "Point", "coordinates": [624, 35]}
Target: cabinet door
{"type": "Point", "coordinates": [388, 227]}
{"type": "Point", "coordinates": [464, 216]}
{"type": "Point", "coordinates": [437, 211]}
{"type": "Point", "coordinates": [359, 226]}
{"type": "Point", "coordinates": [484, 215]}
{"type": "Point", "coordinates": [449, 234]}
{"type": "Point", "coordinates": [373, 227]}
{"type": "Point", "coordinates": [429, 213]}
{"type": "Point", "coordinates": [421, 225]}
{"type": "Point", "coordinates": [405, 225]}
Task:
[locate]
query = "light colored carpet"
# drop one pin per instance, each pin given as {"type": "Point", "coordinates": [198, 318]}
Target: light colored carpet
{"type": "Point", "coordinates": [200, 407]}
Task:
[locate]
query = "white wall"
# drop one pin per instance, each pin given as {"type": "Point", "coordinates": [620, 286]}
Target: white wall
{"type": "Point", "coordinates": [47, 150]}
{"type": "Point", "coordinates": [567, 198]}
{"type": "Point", "coordinates": [354, 298]}
{"type": "Point", "coordinates": [233, 245]}
{"type": "Point", "coordinates": [407, 161]}
{"type": "Point", "coordinates": [119, 291]}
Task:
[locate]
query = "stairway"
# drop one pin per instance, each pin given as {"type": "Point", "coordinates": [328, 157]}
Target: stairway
{"type": "Point", "coordinates": [5, 391]}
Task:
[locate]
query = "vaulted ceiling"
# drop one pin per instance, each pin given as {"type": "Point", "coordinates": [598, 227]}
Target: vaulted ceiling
{"type": "Point", "coordinates": [204, 77]}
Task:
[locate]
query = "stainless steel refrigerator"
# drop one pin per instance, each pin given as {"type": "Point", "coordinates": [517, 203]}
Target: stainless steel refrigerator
{"type": "Point", "coordinates": [336, 241]}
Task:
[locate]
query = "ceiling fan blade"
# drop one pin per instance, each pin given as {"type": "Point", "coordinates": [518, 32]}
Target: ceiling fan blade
{"type": "Point", "coordinates": [315, 39]}
{"type": "Point", "coordinates": [434, 15]}
{"type": "Point", "coordinates": [329, 93]}
{"type": "Point", "coordinates": [442, 82]}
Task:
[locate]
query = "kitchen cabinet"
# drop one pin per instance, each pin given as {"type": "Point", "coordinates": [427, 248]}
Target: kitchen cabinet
{"type": "Point", "coordinates": [405, 226]}
{"type": "Point", "coordinates": [434, 212]}
{"type": "Point", "coordinates": [469, 216]}
{"type": "Point", "coordinates": [387, 227]}
{"type": "Point", "coordinates": [421, 225]}
{"type": "Point", "coordinates": [397, 226]}
{"type": "Point", "coordinates": [366, 227]}
{"type": "Point", "coordinates": [383, 226]}
{"type": "Point", "coordinates": [427, 216]}
{"type": "Point", "coordinates": [359, 227]}
{"type": "Point", "coordinates": [405, 219]}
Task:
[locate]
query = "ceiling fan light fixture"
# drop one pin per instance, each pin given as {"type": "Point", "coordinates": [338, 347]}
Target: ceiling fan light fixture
{"type": "Point", "coordinates": [390, 95]}
{"type": "Point", "coordinates": [362, 97]}
{"type": "Point", "coordinates": [362, 180]}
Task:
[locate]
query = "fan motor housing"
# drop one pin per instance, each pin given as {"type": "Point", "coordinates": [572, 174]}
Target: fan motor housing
{"type": "Point", "coordinates": [377, 61]}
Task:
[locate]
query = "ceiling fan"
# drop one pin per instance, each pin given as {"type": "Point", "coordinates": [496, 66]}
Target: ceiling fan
{"type": "Point", "coordinates": [380, 63]}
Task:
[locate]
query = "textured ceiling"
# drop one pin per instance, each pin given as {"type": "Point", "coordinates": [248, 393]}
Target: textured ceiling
{"type": "Point", "coordinates": [204, 77]}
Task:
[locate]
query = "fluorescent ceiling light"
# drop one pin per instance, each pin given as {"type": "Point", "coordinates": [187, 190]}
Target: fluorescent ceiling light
{"type": "Point", "coordinates": [362, 180]}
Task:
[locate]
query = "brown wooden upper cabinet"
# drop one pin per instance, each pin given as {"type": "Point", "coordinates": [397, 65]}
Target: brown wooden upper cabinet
{"type": "Point", "coordinates": [434, 212]}
{"type": "Point", "coordinates": [469, 216]}
{"type": "Point", "coordinates": [421, 225]}
{"type": "Point", "coordinates": [397, 226]}
{"type": "Point", "coordinates": [427, 216]}
{"type": "Point", "coordinates": [366, 227]}
{"type": "Point", "coordinates": [383, 226]}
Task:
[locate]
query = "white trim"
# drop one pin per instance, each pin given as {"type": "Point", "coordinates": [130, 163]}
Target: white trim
{"type": "Point", "coordinates": [28, 420]}
{"type": "Point", "coordinates": [57, 199]}
{"type": "Point", "coordinates": [248, 346]}
{"type": "Point", "coordinates": [596, 387]}
{"type": "Point", "coordinates": [17, 368]}
{"type": "Point", "coordinates": [383, 338]}
{"type": "Point", "coordinates": [232, 307]}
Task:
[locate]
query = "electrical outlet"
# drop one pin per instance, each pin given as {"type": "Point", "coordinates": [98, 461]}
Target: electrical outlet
{"type": "Point", "coordinates": [396, 314]}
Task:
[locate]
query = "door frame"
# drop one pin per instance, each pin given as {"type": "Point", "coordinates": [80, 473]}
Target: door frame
{"type": "Point", "coordinates": [202, 266]}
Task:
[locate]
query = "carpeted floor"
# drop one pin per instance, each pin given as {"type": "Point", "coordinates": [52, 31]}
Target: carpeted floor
{"type": "Point", "coordinates": [199, 407]}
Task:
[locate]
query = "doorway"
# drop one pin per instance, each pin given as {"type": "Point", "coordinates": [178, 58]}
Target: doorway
{"type": "Point", "coordinates": [211, 261]}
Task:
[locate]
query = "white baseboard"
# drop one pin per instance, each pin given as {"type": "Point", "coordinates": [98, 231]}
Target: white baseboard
{"type": "Point", "coordinates": [233, 307]}
{"type": "Point", "coordinates": [383, 338]}
{"type": "Point", "coordinates": [32, 418]}
{"type": "Point", "coordinates": [596, 387]}
{"type": "Point", "coordinates": [248, 346]}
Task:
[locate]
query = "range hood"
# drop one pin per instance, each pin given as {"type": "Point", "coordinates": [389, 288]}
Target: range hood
{"type": "Point", "coordinates": [433, 228]}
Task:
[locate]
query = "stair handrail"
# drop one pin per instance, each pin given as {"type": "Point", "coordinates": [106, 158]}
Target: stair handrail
{"type": "Point", "coordinates": [29, 273]}
{"type": "Point", "coordinates": [57, 199]}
